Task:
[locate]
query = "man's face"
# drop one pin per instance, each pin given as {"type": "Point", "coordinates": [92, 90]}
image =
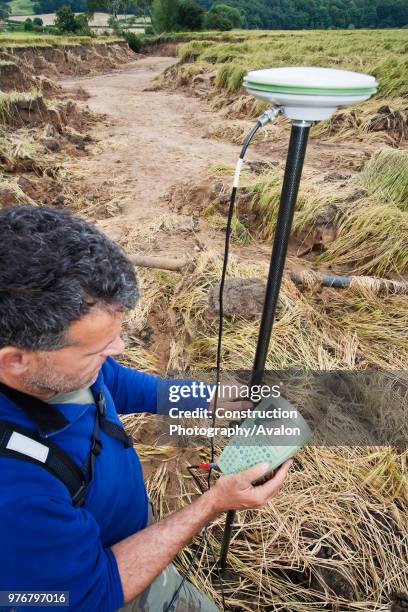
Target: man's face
{"type": "Point", "coordinates": [94, 337]}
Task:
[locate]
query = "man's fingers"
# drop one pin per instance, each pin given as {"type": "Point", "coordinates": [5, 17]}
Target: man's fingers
{"type": "Point", "coordinates": [274, 484]}
{"type": "Point", "coordinates": [255, 472]}
{"type": "Point", "coordinates": [237, 491]}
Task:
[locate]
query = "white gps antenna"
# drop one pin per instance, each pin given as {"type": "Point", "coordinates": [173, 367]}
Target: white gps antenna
{"type": "Point", "coordinates": [308, 93]}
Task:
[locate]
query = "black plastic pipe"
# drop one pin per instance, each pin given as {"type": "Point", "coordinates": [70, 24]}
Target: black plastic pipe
{"type": "Point", "coordinates": [291, 180]}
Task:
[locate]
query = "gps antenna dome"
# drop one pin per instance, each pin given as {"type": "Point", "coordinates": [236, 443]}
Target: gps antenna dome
{"type": "Point", "coordinates": [309, 93]}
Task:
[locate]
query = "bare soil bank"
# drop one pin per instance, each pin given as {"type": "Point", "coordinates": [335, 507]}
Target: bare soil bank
{"type": "Point", "coordinates": [25, 64]}
{"type": "Point", "coordinates": [41, 124]}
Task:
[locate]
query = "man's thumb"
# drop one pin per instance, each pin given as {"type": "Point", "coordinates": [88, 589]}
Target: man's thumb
{"type": "Point", "coordinates": [255, 472]}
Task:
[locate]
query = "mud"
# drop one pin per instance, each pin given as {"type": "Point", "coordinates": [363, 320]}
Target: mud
{"type": "Point", "coordinates": [243, 297]}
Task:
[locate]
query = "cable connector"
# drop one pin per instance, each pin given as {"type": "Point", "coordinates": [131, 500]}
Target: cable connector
{"type": "Point", "coordinates": [269, 115]}
{"type": "Point", "coordinates": [202, 466]}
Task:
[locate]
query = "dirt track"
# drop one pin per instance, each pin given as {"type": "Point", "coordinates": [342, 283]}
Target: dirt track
{"type": "Point", "coordinates": [151, 141]}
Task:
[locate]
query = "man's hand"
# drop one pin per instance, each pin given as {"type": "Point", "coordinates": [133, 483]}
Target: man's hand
{"type": "Point", "coordinates": [236, 491]}
{"type": "Point", "coordinates": [143, 555]}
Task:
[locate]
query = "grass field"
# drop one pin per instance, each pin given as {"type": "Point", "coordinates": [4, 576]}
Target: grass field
{"type": "Point", "coordinates": [38, 40]}
{"type": "Point", "coordinates": [382, 53]}
{"type": "Point", "coordinates": [21, 7]}
{"type": "Point", "coordinates": [99, 19]}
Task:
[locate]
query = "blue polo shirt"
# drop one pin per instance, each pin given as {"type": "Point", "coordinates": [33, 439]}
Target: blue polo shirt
{"type": "Point", "coordinates": [46, 543]}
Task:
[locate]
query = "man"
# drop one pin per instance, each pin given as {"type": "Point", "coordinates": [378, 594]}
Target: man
{"type": "Point", "coordinates": [64, 289]}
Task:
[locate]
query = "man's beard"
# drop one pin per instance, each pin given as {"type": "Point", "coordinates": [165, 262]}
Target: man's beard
{"type": "Point", "coordinates": [46, 379]}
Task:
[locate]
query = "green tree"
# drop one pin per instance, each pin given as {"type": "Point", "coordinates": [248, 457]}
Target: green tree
{"type": "Point", "coordinates": [392, 13]}
{"type": "Point", "coordinates": [229, 12]}
{"type": "Point", "coordinates": [165, 15]}
{"type": "Point", "coordinates": [4, 11]}
{"type": "Point", "coordinates": [322, 19]}
{"type": "Point", "coordinates": [82, 25]}
{"type": "Point", "coordinates": [265, 14]}
{"type": "Point", "coordinates": [37, 21]}
{"type": "Point", "coordinates": [28, 25]}
{"type": "Point", "coordinates": [133, 41]}
{"type": "Point", "coordinates": [190, 15]}
{"type": "Point", "coordinates": [65, 20]}
{"type": "Point", "coordinates": [216, 21]}
{"type": "Point", "coordinates": [144, 8]}
{"type": "Point", "coordinates": [113, 7]}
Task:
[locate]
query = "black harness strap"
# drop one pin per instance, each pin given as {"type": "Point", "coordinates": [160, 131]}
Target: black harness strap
{"type": "Point", "coordinates": [57, 462]}
{"type": "Point", "coordinates": [115, 431]}
{"type": "Point", "coordinates": [33, 448]}
{"type": "Point", "coordinates": [112, 429]}
{"type": "Point", "coordinates": [96, 444]}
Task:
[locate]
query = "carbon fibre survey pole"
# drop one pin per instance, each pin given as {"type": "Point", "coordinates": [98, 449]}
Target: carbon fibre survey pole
{"type": "Point", "coordinates": [291, 180]}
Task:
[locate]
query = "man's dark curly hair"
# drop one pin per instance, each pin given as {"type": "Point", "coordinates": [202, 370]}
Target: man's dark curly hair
{"type": "Point", "coordinates": [53, 268]}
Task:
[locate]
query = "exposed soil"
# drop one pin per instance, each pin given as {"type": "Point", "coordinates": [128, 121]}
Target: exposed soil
{"type": "Point", "coordinates": [41, 123]}
{"type": "Point", "coordinates": [151, 142]}
{"type": "Point", "coordinates": [55, 61]}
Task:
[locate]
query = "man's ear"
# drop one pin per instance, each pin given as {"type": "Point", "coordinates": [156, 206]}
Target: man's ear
{"type": "Point", "coordinates": [14, 361]}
